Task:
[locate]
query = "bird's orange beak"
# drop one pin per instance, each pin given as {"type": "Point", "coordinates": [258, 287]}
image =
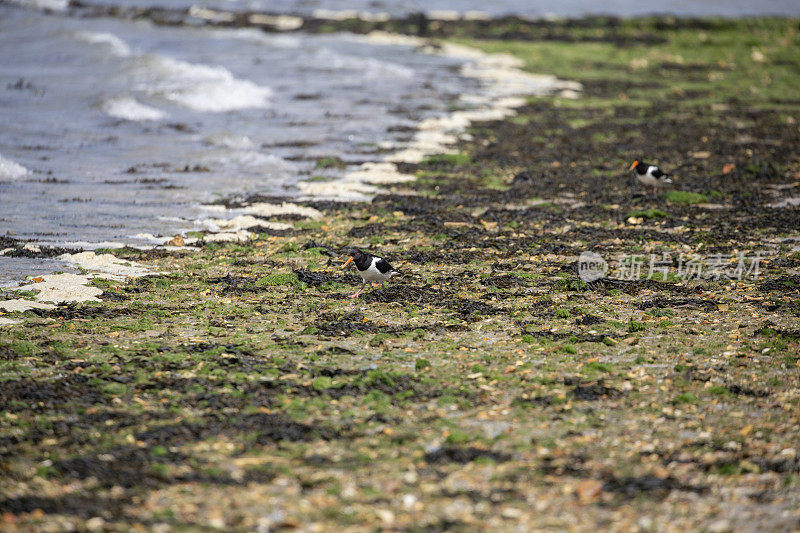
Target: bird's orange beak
{"type": "Point", "coordinates": [633, 165]}
{"type": "Point", "coordinates": [348, 261]}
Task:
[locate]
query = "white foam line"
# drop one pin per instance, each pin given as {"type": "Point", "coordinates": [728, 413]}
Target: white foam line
{"type": "Point", "coordinates": [358, 185]}
{"type": "Point", "coordinates": [278, 22]}
{"type": "Point", "coordinates": [45, 5]}
{"type": "Point", "coordinates": [504, 86]}
{"type": "Point", "coordinates": [152, 239]}
{"type": "Point", "coordinates": [118, 46]}
{"type": "Point", "coordinates": [11, 170]}
{"type": "Point", "coordinates": [345, 14]}
{"type": "Point", "coordinates": [64, 288]}
{"type": "Point", "coordinates": [285, 208]}
{"type": "Point", "coordinates": [243, 222]}
{"type": "Point", "coordinates": [128, 108]}
{"type": "Point", "coordinates": [228, 236]}
{"type": "Point", "coordinates": [86, 245]}
{"type": "Point", "coordinates": [196, 86]}
{"type": "Point", "coordinates": [105, 265]}
{"type": "Point", "coordinates": [18, 304]}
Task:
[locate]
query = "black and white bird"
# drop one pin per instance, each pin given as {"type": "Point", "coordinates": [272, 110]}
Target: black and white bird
{"type": "Point", "coordinates": [371, 268]}
{"type": "Point", "coordinates": [649, 175]}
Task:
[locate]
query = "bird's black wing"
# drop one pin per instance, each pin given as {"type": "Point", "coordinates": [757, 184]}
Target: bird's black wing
{"type": "Point", "coordinates": [383, 266]}
{"type": "Point", "coordinates": [657, 173]}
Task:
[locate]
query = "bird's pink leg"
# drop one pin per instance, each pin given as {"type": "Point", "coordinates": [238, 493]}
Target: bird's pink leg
{"type": "Point", "coordinates": [358, 291]}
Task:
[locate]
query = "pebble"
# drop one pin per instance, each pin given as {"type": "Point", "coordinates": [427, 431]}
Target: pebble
{"type": "Point", "coordinates": [789, 453]}
{"type": "Point", "coordinates": [588, 490]}
{"type": "Point", "coordinates": [409, 500]}
{"type": "Point", "coordinates": [95, 524]}
{"type": "Point", "coordinates": [720, 526]}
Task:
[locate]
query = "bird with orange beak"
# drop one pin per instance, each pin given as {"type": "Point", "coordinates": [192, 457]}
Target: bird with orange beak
{"type": "Point", "coordinates": [649, 175]}
{"type": "Point", "coordinates": [371, 268]}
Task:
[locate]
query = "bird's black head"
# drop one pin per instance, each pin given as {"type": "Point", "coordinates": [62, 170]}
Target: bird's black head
{"type": "Point", "coordinates": [639, 165]}
{"type": "Point", "coordinates": [357, 256]}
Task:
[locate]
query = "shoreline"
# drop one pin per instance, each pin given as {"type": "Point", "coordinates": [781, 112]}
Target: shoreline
{"type": "Point", "coordinates": [504, 88]}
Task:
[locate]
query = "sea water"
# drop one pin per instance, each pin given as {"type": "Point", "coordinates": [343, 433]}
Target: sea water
{"type": "Point", "coordinates": [117, 131]}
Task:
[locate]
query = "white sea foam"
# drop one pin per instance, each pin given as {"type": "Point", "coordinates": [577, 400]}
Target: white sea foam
{"type": "Point", "coordinates": [86, 245]}
{"type": "Point", "coordinates": [230, 140]}
{"type": "Point", "coordinates": [345, 14]}
{"type": "Point", "coordinates": [18, 304]}
{"type": "Point", "coordinates": [357, 185]}
{"type": "Point", "coordinates": [255, 35]}
{"type": "Point", "coordinates": [9, 170]}
{"type": "Point", "coordinates": [503, 81]}
{"type": "Point", "coordinates": [118, 46]}
{"type": "Point", "coordinates": [254, 162]}
{"type": "Point", "coordinates": [52, 5]}
{"type": "Point", "coordinates": [285, 208]}
{"type": "Point", "coordinates": [278, 22]}
{"type": "Point", "coordinates": [229, 236]}
{"type": "Point", "coordinates": [222, 95]}
{"type": "Point", "coordinates": [444, 14]}
{"type": "Point", "coordinates": [196, 86]}
{"type": "Point", "coordinates": [330, 14]}
{"type": "Point", "coordinates": [341, 190]}
{"type": "Point", "coordinates": [210, 14]}
{"type": "Point", "coordinates": [368, 66]}
{"type": "Point", "coordinates": [152, 239]}
{"type": "Point", "coordinates": [476, 15]}
{"type": "Point", "coordinates": [105, 265]}
{"type": "Point", "coordinates": [216, 208]}
{"type": "Point", "coordinates": [128, 108]}
{"type": "Point", "coordinates": [243, 222]}
{"type": "Point", "coordinates": [68, 287]}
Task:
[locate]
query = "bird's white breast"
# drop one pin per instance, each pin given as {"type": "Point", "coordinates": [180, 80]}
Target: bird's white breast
{"type": "Point", "coordinates": [373, 274]}
{"type": "Point", "coordinates": [647, 178]}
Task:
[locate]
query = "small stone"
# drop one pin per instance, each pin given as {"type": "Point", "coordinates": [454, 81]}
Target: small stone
{"type": "Point", "coordinates": [386, 516]}
{"type": "Point", "coordinates": [95, 524]}
{"type": "Point", "coordinates": [411, 477]}
{"type": "Point", "coordinates": [217, 522]}
{"type": "Point", "coordinates": [788, 453]}
{"type": "Point", "coordinates": [409, 500]}
{"type": "Point", "coordinates": [749, 466]}
{"type": "Point", "coordinates": [719, 526]}
{"type": "Point", "coordinates": [588, 490]}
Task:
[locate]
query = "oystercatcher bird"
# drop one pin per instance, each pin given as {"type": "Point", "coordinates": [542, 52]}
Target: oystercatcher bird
{"type": "Point", "coordinates": [649, 175]}
{"type": "Point", "coordinates": [371, 268]}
